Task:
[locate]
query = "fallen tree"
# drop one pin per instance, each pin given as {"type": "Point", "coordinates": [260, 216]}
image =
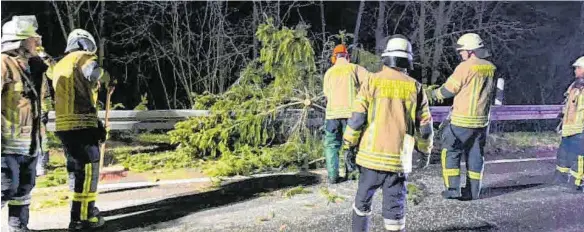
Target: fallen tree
{"type": "Point", "coordinates": [242, 134]}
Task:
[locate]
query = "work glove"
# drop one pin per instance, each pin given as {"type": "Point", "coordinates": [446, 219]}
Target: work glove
{"type": "Point", "coordinates": [45, 118]}
{"type": "Point", "coordinates": [347, 146]}
{"type": "Point", "coordinates": [429, 90]}
{"type": "Point", "coordinates": [101, 131]}
{"type": "Point", "coordinates": [47, 59]}
{"type": "Point", "coordinates": [559, 127]}
{"type": "Point", "coordinates": [350, 156]}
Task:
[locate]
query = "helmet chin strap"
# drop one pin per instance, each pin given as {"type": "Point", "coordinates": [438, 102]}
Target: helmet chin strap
{"type": "Point", "coordinates": [343, 55]}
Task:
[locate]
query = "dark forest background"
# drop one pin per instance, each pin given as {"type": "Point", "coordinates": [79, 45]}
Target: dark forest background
{"type": "Point", "coordinates": [171, 50]}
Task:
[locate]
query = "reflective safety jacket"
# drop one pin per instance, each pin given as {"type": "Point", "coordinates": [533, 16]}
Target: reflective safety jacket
{"type": "Point", "coordinates": [573, 121]}
{"type": "Point", "coordinates": [472, 86]}
{"type": "Point", "coordinates": [341, 84]}
{"type": "Point", "coordinates": [75, 83]}
{"type": "Point", "coordinates": [21, 107]}
{"type": "Point", "coordinates": [390, 119]}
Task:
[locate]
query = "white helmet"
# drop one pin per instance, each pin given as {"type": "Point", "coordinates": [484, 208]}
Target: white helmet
{"type": "Point", "coordinates": [579, 62]}
{"type": "Point", "coordinates": [17, 30]}
{"type": "Point", "coordinates": [398, 52]}
{"type": "Point", "coordinates": [398, 46]}
{"type": "Point", "coordinates": [469, 42]}
{"type": "Point", "coordinates": [78, 34]}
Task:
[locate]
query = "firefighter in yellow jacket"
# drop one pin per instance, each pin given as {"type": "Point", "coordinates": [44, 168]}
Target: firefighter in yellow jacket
{"type": "Point", "coordinates": [472, 86]}
{"type": "Point", "coordinates": [341, 83]}
{"type": "Point", "coordinates": [22, 106]}
{"type": "Point", "coordinates": [390, 120]}
{"type": "Point", "coordinates": [76, 79]}
{"type": "Point", "coordinates": [570, 159]}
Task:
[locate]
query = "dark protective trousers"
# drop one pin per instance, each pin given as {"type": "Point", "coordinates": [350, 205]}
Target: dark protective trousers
{"type": "Point", "coordinates": [82, 151]}
{"type": "Point", "coordinates": [18, 180]}
{"type": "Point", "coordinates": [393, 187]}
{"type": "Point", "coordinates": [333, 139]}
{"type": "Point", "coordinates": [566, 156]}
{"type": "Point", "coordinates": [571, 154]}
{"type": "Point", "coordinates": [458, 142]}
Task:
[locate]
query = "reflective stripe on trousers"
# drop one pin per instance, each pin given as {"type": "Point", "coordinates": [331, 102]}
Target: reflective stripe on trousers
{"type": "Point", "coordinates": [82, 152]}
{"type": "Point", "coordinates": [393, 186]}
{"type": "Point", "coordinates": [18, 180]}
{"type": "Point", "coordinates": [459, 142]}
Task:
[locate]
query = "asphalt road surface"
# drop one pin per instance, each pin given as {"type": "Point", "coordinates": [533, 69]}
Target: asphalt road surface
{"type": "Point", "coordinates": [517, 196]}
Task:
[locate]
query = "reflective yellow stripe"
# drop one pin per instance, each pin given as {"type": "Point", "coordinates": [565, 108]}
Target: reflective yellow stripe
{"type": "Point", "coordinates": [352, 136]}
{"type": "Point", "coordinates": [378, 166]}
{"type": "Point", "coordinates": [380, 159]}
{"type": "Point", "coordinates": [364, 151]}
{"type": "Point", "coordinates": [474, 175]}
{"type": "Point", "coordinates": [75, 121]}
{"type": "Point", "coordinates": [451, 172]}
{"type": "Point", "coordinates": [445, 177]}
{"type": "Point", "coordinates": [438, 94]}
{"type": "Point", "coordinates": [473, 99]}
{"type": "Point", "coordinates": [81, 197]}
{"type": "Point", "coordinates": [563, 169]}
{"type": "Point", "coordinates": [579, 175]}
{"type": "Point", "coordinates": [86, 187]}
{"type": "Point", "coordinates": [569, 130]}
{"type": "Point", "coordinates": [470, 121]}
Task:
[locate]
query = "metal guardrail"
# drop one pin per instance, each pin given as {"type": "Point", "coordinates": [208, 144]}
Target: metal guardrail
{"type": "Point", "coordinates": [165, 119]}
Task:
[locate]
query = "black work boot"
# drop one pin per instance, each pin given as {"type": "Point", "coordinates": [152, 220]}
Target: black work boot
{"type": "Point", "coordinates": [560, 178]}
{"type": "Point", "coordinates": [576, 190]}
{"type": "Point", "coordinates": [360, 223]}
{"type": "Point", "coordinates": [92, 223]}
{"type": "Point", "coordinates": [451, 194]}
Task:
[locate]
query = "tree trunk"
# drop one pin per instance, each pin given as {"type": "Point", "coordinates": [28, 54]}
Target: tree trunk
{"type": "Point", "coordinates": [60, 19]}
{"type": "Point", "coordinates": [379, 33]}
{"type": "Point", "coordinates": [101, 33]}
{"type": "Point", "coordinates": [358, 24]}
{"type": "Point", "coordinates": [581, 26]}
{"type": "Point", "coordinates": [441, 20]}
{"type": "Point", "coordinates": [422, 41]}
{"type": "Point", "coordinates": [255, 28]}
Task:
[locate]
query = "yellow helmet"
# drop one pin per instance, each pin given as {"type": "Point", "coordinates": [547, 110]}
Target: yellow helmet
{"type": "Point", "coordinates": [579, 62]}
{"type": "Point", "coordinates": [469, 42]}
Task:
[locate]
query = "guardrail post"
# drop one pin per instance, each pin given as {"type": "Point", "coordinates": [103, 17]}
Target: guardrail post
{"type": "Point", "coordinates": [500, 93]}
{"type": "Point", "coordinates": [499, 96]}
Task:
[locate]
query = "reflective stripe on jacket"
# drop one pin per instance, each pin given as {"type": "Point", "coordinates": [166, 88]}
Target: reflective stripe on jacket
{"type": "Point", "coordinates": [75, 92]}
{"type": "Point", "coordinates": [391, 118]}
{"type": "Point", "coordinates": [573, 121]}
{"type": "Point", "coordinates": [341, 84]}
{"type": "Point", "coordinates": [472, 85]}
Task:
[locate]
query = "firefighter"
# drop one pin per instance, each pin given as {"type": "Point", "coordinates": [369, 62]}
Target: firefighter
{"type": "Point", "coordinates": [47, 65]}
{"type": "Point", "coordinates": [570, 167]}
{"type": "Point", "coordinates": [472, 86]}
{"type": "Point", "coordinates": [22, 95]}
{"type": "Point", "coordinates": [76, 80]}
{"type": "Point", "coordinates": [341, 84]}
{"type": "Point", "coordinates": [390, 120]}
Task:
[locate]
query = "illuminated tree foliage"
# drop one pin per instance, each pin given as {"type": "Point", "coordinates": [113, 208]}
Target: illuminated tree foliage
{"type": "Point", "coordinates": [261, 123]}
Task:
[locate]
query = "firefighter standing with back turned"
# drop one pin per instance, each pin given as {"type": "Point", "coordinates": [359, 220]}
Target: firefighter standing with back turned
{"type": "Point", "coordinates": [570, 168]}
{"type": "Point", "coordinates": [391, 118]}
{"type": "Point", "coordinates": [472, 86]}
{"type": "Point", "coordinates": [22, 113]}
{"type": "Point", "coordinates": [341, 83]}
{"type": "Point", "coordinates": [76, 80]}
